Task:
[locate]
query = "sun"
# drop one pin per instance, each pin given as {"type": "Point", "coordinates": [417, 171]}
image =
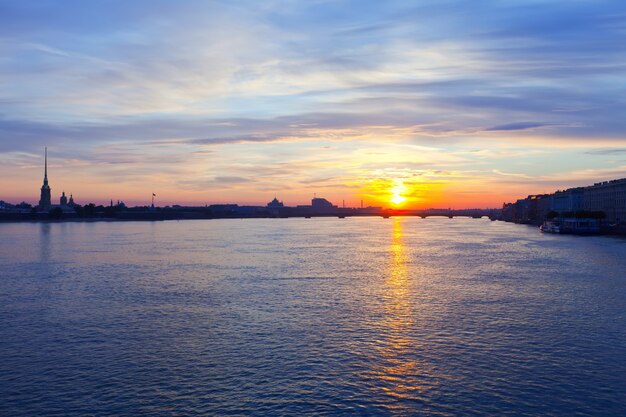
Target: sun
{"type": "Point", "coordinates": [397, 199]}
{"type": "Point", "coordinates": [397, 193]}
{"type": "Point", "coordinates": [406, 192]}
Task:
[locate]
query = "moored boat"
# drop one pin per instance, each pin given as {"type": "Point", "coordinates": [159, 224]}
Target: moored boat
{"type": "Point", "coordinates": [580, 226]}
{"type": "Point", "coordinates": [571, 226]}
{"type": "Point", "coordinates": [550, 227]}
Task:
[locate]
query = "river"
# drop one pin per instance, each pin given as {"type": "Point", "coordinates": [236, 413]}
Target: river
{"type": "Point", "coordinates": [370, 316]}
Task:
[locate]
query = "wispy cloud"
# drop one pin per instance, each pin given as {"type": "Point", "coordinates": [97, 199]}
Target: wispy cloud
{"type": "Point", "coordinates": [511, 174]}
{"type": "Point", "coordinates": [607, 151]}
{"type": "Point", "coordinates": [518, 126]}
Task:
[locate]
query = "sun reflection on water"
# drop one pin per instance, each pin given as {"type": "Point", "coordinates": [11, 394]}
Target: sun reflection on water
{"type": "Point", "coordinates": [399, 369]}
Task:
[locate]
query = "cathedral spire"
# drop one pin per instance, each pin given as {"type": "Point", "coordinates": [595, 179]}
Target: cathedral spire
{"type": "Point", "coordinates": [44, 200]}
{"type": "Point", "coordinates": [45, 172]}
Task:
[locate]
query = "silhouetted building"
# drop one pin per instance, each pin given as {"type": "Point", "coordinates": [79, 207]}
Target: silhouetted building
{"type": "Point", "coordinates": [275, 204]}
{"type": "Point", "coordinates": [319, 206]}
{"type": "Point", "coordinates": [63, 200]}
{"type": "Point", "coordinates": [533, 209]}
{"type": "Point", "coordinates": [568, 201]}
{"type": "Point", "coordinates": [608, 197]}
{"type": "Point", "coordinates": [45, 201]}
{"type": "Point", "coordinates": [544, 206]}
{"type": "Point", "coordinates": [321, 203]}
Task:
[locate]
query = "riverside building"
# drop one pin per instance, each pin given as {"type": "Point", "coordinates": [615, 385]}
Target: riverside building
{"type": "Point", "coordinates": [608, 197]}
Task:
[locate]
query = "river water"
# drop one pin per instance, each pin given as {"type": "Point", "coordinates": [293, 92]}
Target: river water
{"type": "Point", "coordinates": [369, 316]}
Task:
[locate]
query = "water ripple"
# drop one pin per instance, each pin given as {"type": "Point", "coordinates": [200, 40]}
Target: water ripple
{"type": "Point", "coordinates": [360, 316]}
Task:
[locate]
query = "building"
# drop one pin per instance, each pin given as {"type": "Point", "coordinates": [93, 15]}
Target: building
{"type": "Point", "coordinates": [319, 206]}
{"type": "Point", "coordinates": [532, 209]}
{"type": "Point", "coordinates": [321, 203]}
{"type": "Point", "coordinates": [318, 203]}
{"type": "Point", "coordinates": [45, 201]}
{"type": "Point", "coordinates": [568, 201]}
{"type": "Point", "coordinates": [275, 207]}
{"type": "Point", "coordinates": [545, 204]}
{"type": "Point", "coordinates": [608, 197]}
{"type": "Point", "coordinates": [275, 204]}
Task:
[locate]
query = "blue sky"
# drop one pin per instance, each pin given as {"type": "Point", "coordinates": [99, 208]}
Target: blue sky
{"type": "Point", "coordinates": [462, 103]}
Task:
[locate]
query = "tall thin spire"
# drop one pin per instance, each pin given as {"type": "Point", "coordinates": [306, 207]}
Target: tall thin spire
{"type": "Point", "coordinates": [45, 172]}
{"type": "Point", "coordinates": [45, 200]}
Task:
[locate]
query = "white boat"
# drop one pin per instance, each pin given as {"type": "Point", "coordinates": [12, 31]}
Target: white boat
{"type": "Point", "coordinates": [580, 226]}
{"type": "Point", "coordinates": [550, 227]}
{"type": "Point", "coordinates": [572, 226]}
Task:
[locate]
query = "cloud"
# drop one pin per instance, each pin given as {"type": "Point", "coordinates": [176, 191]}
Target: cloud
{"type": "Point", "coordinates": [216, 91]}
{"type": "Point", "coordinates": [518, 126]}
{"type": "Point", "coordinates": [510, 174]}
{"type": "Point", "coordinates": [606, 152]}
{"type": "Point", "coordinates": [232, 180]}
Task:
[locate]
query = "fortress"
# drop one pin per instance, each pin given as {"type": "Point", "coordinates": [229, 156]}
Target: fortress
{"type": "Point", "coordinates": [45, 199]}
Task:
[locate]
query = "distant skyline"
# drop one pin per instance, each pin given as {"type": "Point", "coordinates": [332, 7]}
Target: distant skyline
{"type": "Point", "coordinates": [401, 104]}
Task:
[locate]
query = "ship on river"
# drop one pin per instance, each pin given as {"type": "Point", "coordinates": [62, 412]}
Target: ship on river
{"type": "Point", "coordinates": [571, 226]}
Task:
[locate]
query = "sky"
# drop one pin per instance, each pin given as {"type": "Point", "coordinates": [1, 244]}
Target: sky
{"type": "Point", "coordinates": [410, 104]}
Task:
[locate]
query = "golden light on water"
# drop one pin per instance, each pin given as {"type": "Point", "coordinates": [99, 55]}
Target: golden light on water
{"type": "Point", "coordinates": [397, 296]}
{"type": "Point", "coordinates": [398, 371]}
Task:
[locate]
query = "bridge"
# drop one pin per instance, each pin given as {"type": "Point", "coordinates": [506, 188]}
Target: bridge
{"type": "Point", "coordinates": [493, 214]}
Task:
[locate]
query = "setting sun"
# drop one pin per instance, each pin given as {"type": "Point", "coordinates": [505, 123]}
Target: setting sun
{"type": "Point", "coordinates": [397, 193]}
{"type": "Point", "coordinates": [397, 200]}
{"type": "Point", "coordinates": [404, 192]}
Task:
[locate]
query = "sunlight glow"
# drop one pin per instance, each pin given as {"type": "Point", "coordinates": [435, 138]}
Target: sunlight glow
{"type": "Point", "coordinates": [397, 193]}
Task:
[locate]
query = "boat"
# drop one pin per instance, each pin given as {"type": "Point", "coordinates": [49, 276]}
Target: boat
{"type": "Point", "coordinates": [580, 226]}
{"type": "Point", "coordinates": [572, 226]}
{"type": "Point", "coordinates": [550, 227]}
